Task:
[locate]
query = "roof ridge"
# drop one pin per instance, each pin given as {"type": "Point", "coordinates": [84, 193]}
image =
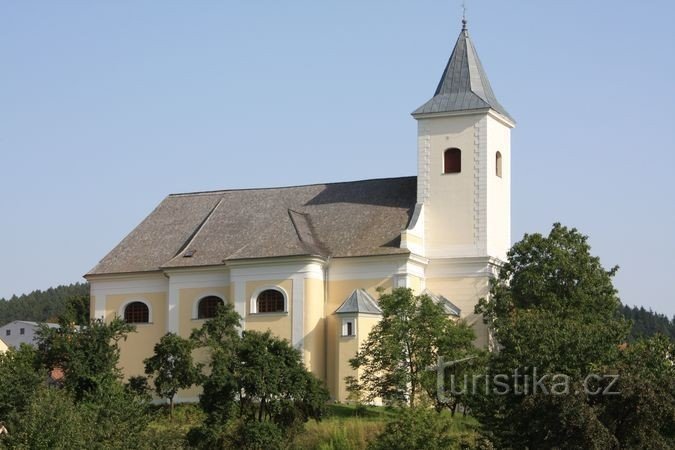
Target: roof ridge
{"type": "Point", "coordinates": [223, 191]}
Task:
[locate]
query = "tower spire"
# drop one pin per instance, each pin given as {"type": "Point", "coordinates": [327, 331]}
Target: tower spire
{"type": "Point", "coordinates": [464, 85]}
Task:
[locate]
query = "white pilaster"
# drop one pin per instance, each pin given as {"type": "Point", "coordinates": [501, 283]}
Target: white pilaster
{"type": "Point", "coordinates": [298, 312]}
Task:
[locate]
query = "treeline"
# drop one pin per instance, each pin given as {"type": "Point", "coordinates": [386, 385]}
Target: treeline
{"type": "Point", "coordinates": [41, 306]}
{"type": "Point", "coordinates": [647, 323]}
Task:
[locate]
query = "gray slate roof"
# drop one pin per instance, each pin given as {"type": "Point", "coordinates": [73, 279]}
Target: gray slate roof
{"type": "Point", "coordinates": [449, 307]}
{"type": "Point", "coordinates": [359, 302]}
{"type": "Point", "coordinates": [464, 85]}
{"type": "Point", "coordinates": [356, 218]}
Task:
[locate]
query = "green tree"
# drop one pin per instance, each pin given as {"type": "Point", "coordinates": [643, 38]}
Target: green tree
{"type": "Point", "coordinates": [553, 310]}
{"type": "Point", "coordinates": [88, 355]}
{"type": "Point", "coordinates": [172, 366]}
{"type": "Point", "coordinates": [395, 359]}
{"type": "Point", "coordinates": [416, 428]}
{"type": "Point", "coordinates": [77, 310]}
{"type": "Point", "coordinates": [20, 376]}
{"type": "Point", "coordinates": [51, 421]}
{"type": "Point", "coordinates": [257, 393]}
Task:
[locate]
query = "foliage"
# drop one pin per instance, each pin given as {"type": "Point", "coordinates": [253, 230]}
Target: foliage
{"type": "Point", "coordinates": [395, 359]}
{"type": "Point", "coordinates": [76, 310]}
{"type": "Point", "coordinates": [643, 415]}
{"type": "Point", "coordinates": [88, 356]}
{"type": "Point", "coordinates": [256, 382]}
{"type": "Point", "coordinates": [20, 376]}
{"type": "Point", "coordinates": [172, 366]}
{"type": "Point", "coordinates": [416, 428]}
{"type": "Point", "coordinates": [138, 386]}
{"type": "Point", "coordinates": [647, 323]}
{"type": "Point", "coordinates": [41, 306]}
{"type": "Point", "coordinates": [51, 421]}
{"type": "Point", "coordinates": [554, 310]}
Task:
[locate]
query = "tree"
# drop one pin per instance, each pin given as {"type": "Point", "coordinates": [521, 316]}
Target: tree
{"type": "Point", "coordinates": [88, 355]}
{"type": "Point", "coordinates": [395, 359]}
{"type": "Point", "coordinates": [257, 388]}
{"type": "Point", "coordinates": [416, 428]}
{"type": "Point", "coordinates": [172, 366]}
{"type": "Point", "coordinates": [20, 376]}
{"type": "Point", "coordinates": [77, 310]}
{"type": "Point", "coordinates": [554, 313]}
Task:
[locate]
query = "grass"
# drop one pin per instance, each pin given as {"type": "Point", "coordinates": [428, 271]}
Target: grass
{"type": "Point", "coordinates": [345, 427]}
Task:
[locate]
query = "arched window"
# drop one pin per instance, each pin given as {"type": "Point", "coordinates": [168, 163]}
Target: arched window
{"type": "Point", "coordinates": [452, 161]}
{"type": "Point", "coordinates": [208, 306]}
{"type": "Point", "coordinates": [137, 312]}
{"type": "Point", "coordinates": [270, 300]}
{"type": "Point", "coordinates": [498, 164]}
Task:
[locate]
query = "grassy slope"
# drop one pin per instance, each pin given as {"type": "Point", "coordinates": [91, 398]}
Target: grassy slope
{"type": "Point", "coordinates": [345, 428]}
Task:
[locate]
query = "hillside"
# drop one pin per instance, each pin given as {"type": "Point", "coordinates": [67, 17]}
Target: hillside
{"type": "Point", "coordinates": [40, 306]}
{"type": "Point", "coordinates": [647, 322]}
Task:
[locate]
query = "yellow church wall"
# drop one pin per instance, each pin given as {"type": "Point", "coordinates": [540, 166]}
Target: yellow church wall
{"type": "Point", "coordinates": [188, 299]}
{"type": "Point", "coordinates": [336, 350]}
{"type": "Point", "coordinates": [314, 351]}
{"type": "Point", "coordinates": [139, 345]}
{"type": "Point", "coordinates": [465, 292]}
{"type": "Point", "coordinates": [278, 323]}
{"type": "Point", "coordinates": [415, 283]}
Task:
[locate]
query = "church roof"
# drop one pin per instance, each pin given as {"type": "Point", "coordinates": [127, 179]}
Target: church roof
{"type": "Point", "coordinates": [358, 218]}
{"type": "Point", "coordinates": [464, 85]}
{"type": "Point", "coordinates": [359, 302]}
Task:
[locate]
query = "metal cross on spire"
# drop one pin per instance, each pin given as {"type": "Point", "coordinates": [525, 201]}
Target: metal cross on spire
{"type": "Point", "coordinates": [463, 15]}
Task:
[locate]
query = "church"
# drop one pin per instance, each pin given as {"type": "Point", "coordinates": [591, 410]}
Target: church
{"type": "Point", "coordinates": [306, 261]}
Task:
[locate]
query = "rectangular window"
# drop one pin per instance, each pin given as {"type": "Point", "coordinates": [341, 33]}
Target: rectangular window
{"type": "Point", "coordinates": [348, 327]}
{"type": "Point", "coordinates": [22, 331]}
{"type": "Point", "coordinates": [8, 332]}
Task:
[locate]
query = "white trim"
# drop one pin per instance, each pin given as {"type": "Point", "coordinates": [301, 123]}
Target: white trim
{"type": "Point", "coordinates": [253, 306]}
{"type": "Point", "coordinates": [99, 305]}
{"type": "Point", "coordinates": [120, 311]}
{"type": "Point", "coordinates": [199, 298]}
{"type": "Point", "coordinates": [240, 300]}
{"type": "Point", "coordinates": [298, 313]}
{"type": "Point", "coordinates": [463, 267]}
{"type": "Point", "coordinates": [343, 328]}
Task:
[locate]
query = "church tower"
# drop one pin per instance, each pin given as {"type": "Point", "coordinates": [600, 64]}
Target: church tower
{"type": "Point", "coordinates": [462, 220]}
{"type": "Point", "coordinates": [464, 162]}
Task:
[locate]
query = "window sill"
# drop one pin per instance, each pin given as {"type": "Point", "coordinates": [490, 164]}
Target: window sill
{"type": "Point", "coordinates": [280, 313]}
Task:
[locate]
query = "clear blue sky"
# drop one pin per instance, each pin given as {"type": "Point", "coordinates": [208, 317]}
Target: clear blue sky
{"type": "Point", "coordinates": [107, 107]}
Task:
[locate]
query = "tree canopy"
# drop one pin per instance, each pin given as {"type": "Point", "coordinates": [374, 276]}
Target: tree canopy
{"type": "Point", "coordinates": [397, 360]}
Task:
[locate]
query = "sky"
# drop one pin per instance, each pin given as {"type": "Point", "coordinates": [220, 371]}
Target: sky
{"type": "Point", "coordinates": [107, 107]}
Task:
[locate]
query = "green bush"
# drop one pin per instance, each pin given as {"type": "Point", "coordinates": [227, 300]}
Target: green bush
{"type": "Point", "coordinates": [416, 428]}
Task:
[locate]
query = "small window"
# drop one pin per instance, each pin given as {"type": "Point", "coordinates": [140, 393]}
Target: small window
{"type": "Point", "coordinates": [208, 306]}
{"type": "Point", "coordinates": [137, 312]}
{"type": "Point", "coordinates": [8, 332]}
{"type": "Point", "coordinates": [270, 300]}
{"type": "Point", "coordinates": [452, 161]}
{"type": "Point", "coordinates": [498, 164]}
{"type": "Point", "coordinates": [22, 331]}
{"type": "Point", "coordinates": [348, 328]}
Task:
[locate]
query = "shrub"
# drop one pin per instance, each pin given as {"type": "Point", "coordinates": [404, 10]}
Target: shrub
{"type": "Point", "coordinates": [416, 428]}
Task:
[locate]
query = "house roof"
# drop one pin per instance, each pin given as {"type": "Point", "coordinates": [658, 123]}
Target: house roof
{"type": "Point", "coordinates": [359, 302]}
{"type": "Point", "coordinates": [464, 85]}
{"type": "Point", "coordinates": [449, 307]}
{"type": "Point", "coordinates": [358, 218]}
{"type": "Point", "coordinates": [31, 323]}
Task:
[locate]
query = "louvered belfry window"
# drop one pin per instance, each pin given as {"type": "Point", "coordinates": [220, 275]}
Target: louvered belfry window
{"type": "Point", "coordinates": [270, 300]}
{"type": "Point", "coordinates": [208, 306]}
{"type": "Point", "coordinates": [137, 312]}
